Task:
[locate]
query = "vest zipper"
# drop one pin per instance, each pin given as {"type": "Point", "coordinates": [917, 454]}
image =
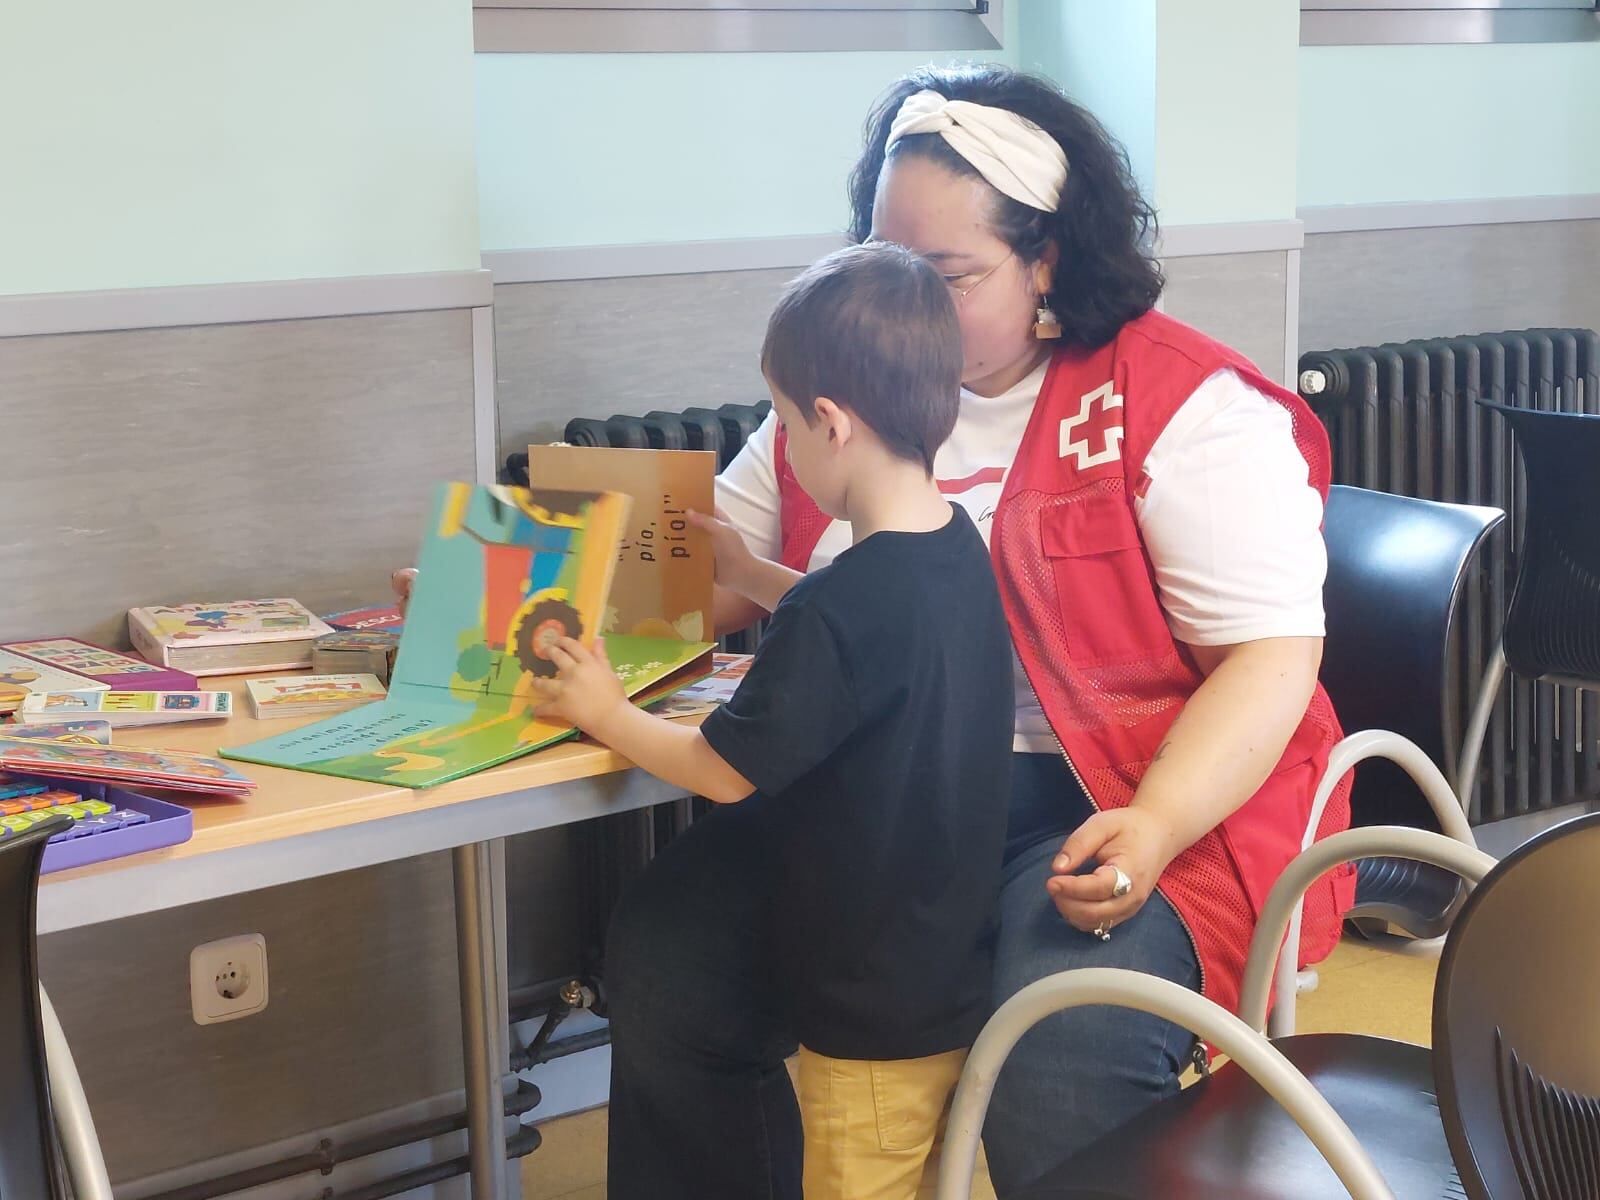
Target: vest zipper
{"type": "Point", "coordinates": [1095, 804]}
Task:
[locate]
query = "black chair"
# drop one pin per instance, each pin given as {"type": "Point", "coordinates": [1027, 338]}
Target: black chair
{"type": "Point", "coordinates": [1516, 1072]}
{"type": "Point", "coordinates": [1394, 593]}
{"type": "Point", "coordinates": [1396, 569]}
{"type": "Point", "coordinates": [39, 1088]}
{"type": "Point", "coordinates": [1552, 632]}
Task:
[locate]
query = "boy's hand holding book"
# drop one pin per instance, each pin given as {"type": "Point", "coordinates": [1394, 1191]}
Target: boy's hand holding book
{"type": "Point", "coordinates": [587, 691]}
{"type": "Point", "coordinates": [588, 694]}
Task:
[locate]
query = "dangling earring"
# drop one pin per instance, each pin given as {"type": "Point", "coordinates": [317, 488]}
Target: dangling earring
{"type": "Point", "coordinates": [1045, 325]}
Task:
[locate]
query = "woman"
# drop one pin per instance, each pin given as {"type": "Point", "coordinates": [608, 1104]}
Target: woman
{"type": "Point", "coordinates": [1153, 506]}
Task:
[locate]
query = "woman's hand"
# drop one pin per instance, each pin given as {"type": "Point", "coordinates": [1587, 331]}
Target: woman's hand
{"type": "Point", "coordinates": [586, 691]}
{"type": "Point", "coordinates": [735, 563]}
{"type": "Point", "coordinates": [758, 580]}
{"type": "Point", "coordinates": [1139, 842]}
{"type": "Point", "coordinates": [402, 582]}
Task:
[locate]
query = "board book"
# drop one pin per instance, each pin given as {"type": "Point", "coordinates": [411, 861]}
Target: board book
{"type": "Point", "coordinates": [503, 572]}
{"type": "Point", "coordinates": [122, 764]}
{"type": "Point", "coordinates": [227, 638]}
{"type": "Point", "coordinates": [311, 695]}
{"type": "Point", "coordinates": [126, 709]}
{"type": "Point", "coordinates": [22, 677]}
{"type": "Point", "coordinates": [88, 733]}
{"type": "Point", "coordinates": [708, 694]}
{"type": "Point", "coordinates": [114, 670]}
{"type": "Point", "coordinates": [363, 619]}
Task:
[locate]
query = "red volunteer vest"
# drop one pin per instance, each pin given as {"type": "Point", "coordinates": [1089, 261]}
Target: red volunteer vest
{"type": "Point", "coordinates": [1080, 596]}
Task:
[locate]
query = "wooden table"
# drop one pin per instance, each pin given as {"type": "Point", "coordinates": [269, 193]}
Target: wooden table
{"type": "Point", "coordinates": [298, 825]}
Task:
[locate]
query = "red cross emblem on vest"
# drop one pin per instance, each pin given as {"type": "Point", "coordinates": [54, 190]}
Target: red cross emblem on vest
{"type": "Point", "coordinates": [1098, 422]}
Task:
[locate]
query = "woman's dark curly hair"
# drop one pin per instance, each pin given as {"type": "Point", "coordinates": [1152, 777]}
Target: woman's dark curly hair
{"type": "Point", "coordinates": [1103, 230]}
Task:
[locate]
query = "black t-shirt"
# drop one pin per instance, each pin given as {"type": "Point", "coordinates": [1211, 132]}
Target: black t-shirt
{"type": "Point", "coordinates": [876, 721]}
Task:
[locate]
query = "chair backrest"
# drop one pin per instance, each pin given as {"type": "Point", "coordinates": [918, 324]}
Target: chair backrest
{"type": "Point", "coordinates": [1553, 628]}
{"type": "Point", "coordinates": [1516, 1024]}
{"type": "Point", "coordinates": [1395, 571]}
{"type": "Point", "coordinates": [30, 1168]}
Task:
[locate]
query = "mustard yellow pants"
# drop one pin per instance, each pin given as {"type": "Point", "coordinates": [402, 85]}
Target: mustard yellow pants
{"type": "Point", "coordinates": [870, 1125]}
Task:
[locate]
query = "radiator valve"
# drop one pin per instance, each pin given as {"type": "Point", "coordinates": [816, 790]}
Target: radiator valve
{"type": "Point", "coordinates": [576, 995]}
{"type": "Point", "coordinates": [1313, 383]}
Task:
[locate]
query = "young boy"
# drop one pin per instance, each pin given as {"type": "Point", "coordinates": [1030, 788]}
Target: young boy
{"type": "Point", "coordinates": [846, 897]}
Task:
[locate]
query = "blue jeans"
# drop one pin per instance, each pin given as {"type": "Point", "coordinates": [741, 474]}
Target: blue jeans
{"type": "Point", "coordinates": [701, 1104]}
{"type": "Point", "coordinates": [1077, 1074]}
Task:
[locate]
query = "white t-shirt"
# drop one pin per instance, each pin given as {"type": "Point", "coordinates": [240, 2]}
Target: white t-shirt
{"type": "Point", "coordinates": [1230, 520]}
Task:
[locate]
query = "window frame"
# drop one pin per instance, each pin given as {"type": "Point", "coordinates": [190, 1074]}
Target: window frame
{"type": "Point", "coordinates": [734, 26]}
{"type": "Point", "coordinates": [1419, 22]}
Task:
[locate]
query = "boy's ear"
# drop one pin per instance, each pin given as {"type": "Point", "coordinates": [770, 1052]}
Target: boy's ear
{"type": "Point", "coordinates": [837, 421]}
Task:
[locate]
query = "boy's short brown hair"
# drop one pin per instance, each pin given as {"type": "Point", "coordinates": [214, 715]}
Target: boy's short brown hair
{"type": "Point", "coordinates": [873, 329]}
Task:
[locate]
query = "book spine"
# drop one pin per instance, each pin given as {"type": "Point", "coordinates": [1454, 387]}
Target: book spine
{"type": "Point", "coordinates": [146, 643]}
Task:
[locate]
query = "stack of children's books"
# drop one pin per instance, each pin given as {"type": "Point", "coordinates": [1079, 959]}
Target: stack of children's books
{"type": "Point", "coordinates": [120, 765]}
{"type": "Point", "coordinates": [45, 665]}
{"type": "Point", "coordinates": [504, 572]}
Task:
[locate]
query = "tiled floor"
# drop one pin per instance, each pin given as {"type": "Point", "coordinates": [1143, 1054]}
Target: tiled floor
{"type": "Point", "coordinates": [1361, 991]}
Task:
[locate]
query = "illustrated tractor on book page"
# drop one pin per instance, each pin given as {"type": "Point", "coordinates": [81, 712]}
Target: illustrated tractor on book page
{"type": "Point", "coordinates": [531, 595]}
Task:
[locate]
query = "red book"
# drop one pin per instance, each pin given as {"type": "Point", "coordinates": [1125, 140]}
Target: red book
{"type": "Point", "coordinates": [366, 620]}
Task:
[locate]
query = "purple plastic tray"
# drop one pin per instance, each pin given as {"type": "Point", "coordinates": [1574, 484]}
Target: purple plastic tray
{"type": "Point", "coordinates": [169, 825]}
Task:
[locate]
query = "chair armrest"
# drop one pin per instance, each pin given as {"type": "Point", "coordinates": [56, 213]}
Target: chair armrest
{"type": "Point", "coordinates": [80, 1147]}
{"type": "Point", "coordinates": [1283, 902]}
{"type": "Point", "coordinates": [1163, 998]}
{"type": "Point", "coordinates": [1409, 757]}
{"type": "Point", "coordinates": [1344, 758]}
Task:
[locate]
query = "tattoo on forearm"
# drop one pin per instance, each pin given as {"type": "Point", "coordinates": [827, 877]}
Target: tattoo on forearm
{"type": "Point", "coordinates": [1160, 753]}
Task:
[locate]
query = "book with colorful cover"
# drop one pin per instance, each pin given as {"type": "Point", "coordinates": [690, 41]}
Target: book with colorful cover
{"type": "Point", "coordinates": [119, 671]}
{"type": "Point", "coordinates": [311, 695]}
{"type": "Point", "coordinates": [22, 677]}
{"type": "Point", "coordinates": [708, 694]}
{"type": "Point", "coordinates": [126, 709]}
{"type": "Point", "coordinates": [86, 733]}
{"type": "Point", "coordinates": [360, 620]}
{"type": "Point", "coordinates": [503, 573]}
{"type": "Point", "coordinates": [122, 764]}
{"type": "Point", "coordinates": [227, 638]}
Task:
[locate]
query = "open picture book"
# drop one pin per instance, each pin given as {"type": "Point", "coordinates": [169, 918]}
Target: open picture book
{"type": "Point", "coordinates": [503, 573]}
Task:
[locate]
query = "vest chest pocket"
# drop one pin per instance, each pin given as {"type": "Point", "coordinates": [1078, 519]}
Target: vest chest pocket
{"type": "Point", "coordinates": [1109, 610]}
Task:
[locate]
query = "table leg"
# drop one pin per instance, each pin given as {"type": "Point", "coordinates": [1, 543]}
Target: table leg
{"type": "Point", "coordinates": [482, 1022]}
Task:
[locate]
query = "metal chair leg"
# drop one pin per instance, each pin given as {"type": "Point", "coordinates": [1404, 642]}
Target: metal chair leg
{"type": "Point", "coordinates": [1478, 727]}
{"type": "Point", "coordinates": [80, 1147]}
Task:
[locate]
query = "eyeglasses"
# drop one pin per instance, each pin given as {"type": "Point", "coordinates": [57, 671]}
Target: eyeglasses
{"type": "Point", "coordinates": [962, 293]}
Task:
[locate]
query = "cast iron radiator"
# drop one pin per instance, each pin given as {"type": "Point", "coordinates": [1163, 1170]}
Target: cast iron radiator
{"type": "Point", "coordinates": [1403, 418]}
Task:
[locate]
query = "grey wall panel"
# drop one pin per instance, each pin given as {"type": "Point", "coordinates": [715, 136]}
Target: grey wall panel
{"type": "Point", "coordinates": [601, 346]}
{"type": "Point", "coordinates": [1236, 298]}
{"type": "Point", "coordinates": [598, 347]}
{"type": "Point", "coordinates": [1365, 288]}
{"type": "Point", "coordinates": [361, 1015]}
{"type": "Point", "coordinates": [217, 462]}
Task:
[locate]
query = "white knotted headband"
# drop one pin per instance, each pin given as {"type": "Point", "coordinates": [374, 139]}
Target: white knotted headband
{"type": "Point", "coordinates": [1017, 157]}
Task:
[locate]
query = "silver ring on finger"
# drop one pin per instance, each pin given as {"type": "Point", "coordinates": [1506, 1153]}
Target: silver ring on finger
{"type": "Point", "coordinates": [1123, 884]}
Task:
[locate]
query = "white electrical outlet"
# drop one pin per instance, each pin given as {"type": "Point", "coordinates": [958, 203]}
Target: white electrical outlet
{"type": "Point", "coordinates": [228, 979]}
